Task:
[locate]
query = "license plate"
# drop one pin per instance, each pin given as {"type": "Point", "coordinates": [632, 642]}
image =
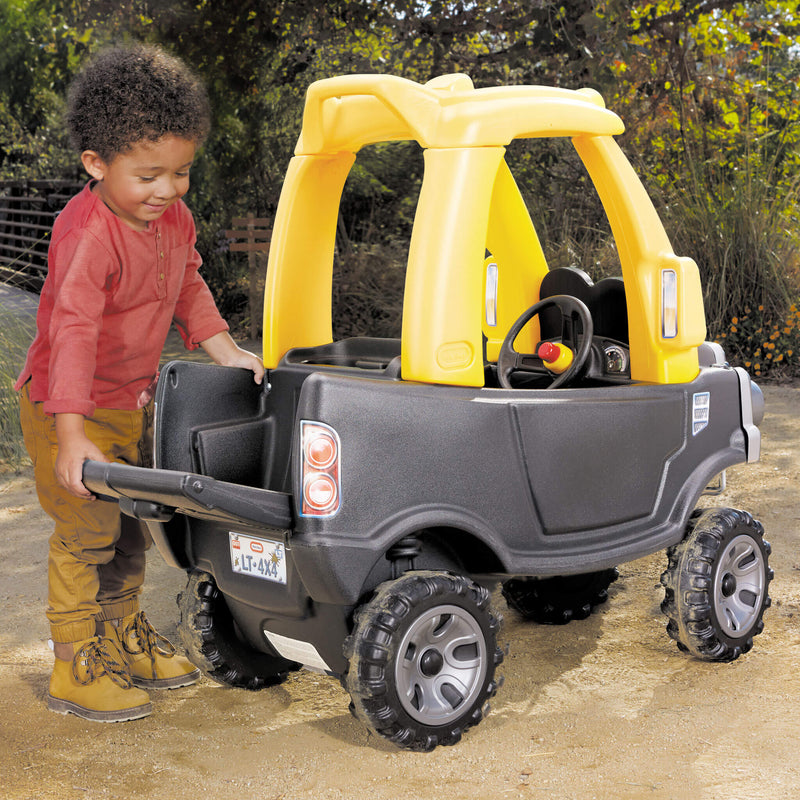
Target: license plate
{"type": "Point", "coordinates": [259, 558]}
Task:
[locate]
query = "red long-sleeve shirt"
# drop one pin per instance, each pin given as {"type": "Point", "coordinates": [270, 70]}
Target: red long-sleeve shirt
{"type": "Point", "coordinates": [110, 296]}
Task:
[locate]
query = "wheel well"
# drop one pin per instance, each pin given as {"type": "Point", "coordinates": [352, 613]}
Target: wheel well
{"type": "Point", "coordinates": [443, 549]}
{"type": "Point", "coordinates": [440, 548]}
{"type": "Point", "coordinates": [466, 551]}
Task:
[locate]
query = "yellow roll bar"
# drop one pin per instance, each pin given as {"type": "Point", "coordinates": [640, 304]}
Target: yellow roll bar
{"type": "Point", "coordinates": [469, 203]}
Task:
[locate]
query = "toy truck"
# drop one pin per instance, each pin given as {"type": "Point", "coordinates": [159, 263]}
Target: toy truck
{"type": "Point", "coordinates": [530, 428]}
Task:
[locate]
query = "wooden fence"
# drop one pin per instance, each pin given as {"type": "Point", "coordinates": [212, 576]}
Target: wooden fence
{"type": "Point", "coordinates": [252, 236]}
{"type": "Point", "coordinates": [27, 211]}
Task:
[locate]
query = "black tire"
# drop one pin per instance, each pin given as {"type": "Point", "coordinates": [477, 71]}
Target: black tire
{"type": "Point", "coordinates": [716, 584]}
{"type": "Point", "coordinates": [207, 631]}
{"type": "Point", "coordinates": [561, 599]}
{"type": "Point", "coordinates": [422, 659]}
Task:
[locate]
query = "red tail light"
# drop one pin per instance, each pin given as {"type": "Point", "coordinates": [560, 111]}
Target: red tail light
{"type": "Point", "coordinates": [321, 452]}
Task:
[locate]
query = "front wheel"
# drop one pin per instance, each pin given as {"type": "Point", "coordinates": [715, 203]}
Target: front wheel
{"type": "Point", "coordinates": [716, 584]}
{"type": "Point", "coordinates": [560, 599]}
{"type": "Point", "coordinates": [422, 659]}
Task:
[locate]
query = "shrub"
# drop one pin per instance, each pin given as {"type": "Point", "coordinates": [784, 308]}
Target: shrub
{"type": "Point", "coordinates": [15, 336]}
{"type": "Point", "coordinates": [767, 349]}
{"type": "Point", "coordinates": [741, 229]}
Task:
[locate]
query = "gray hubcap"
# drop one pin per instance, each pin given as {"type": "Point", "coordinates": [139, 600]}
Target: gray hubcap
{"type": "Point", "coordinates": [441, 665]}
{"type": "Point", "coordinates": [739, 586]}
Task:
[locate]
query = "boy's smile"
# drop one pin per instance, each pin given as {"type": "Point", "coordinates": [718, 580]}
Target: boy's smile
{"type": "Point", "coordinates": [140, 184]}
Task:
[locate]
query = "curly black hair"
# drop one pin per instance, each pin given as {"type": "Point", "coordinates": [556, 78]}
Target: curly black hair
{"type": "Point", "coordinates": [128, 94]}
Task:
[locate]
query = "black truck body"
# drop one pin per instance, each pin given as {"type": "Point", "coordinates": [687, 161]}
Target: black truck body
{"type": "Point", "coordinates": [529, 483]}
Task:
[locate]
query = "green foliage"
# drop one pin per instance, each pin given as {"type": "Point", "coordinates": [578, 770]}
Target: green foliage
{"type": "Point", "coordinates": [742, 232]}
{"type": "Point", "coordinates": [709, 91]}
{"type": "Point", "coordinates": [714, 97]}
{"type": "Point", "coordinates": [368, 291]}
{"type": "Point", "coordinates": [40, 53]}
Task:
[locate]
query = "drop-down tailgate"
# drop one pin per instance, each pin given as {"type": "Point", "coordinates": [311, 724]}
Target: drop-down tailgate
{"type": "Point", "coordinates": [157, 494]}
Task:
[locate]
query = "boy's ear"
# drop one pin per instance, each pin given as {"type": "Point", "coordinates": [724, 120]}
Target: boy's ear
{"type": "Point", "coordinates": [93, 164]}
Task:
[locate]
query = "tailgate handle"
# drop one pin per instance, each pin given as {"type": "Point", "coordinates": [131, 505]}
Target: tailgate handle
{"type": "Point", "coordinates": [145, 510]}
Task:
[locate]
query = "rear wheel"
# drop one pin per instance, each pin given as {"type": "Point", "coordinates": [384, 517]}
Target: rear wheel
{"type": "Point", "coordinates": [716, 584]}
{"type": "Point", "coordinates": [561, 599]}
{"type": "Point", "coordinates": [208, 633]}
{"type": "Point", "coordinates": [422, 655]}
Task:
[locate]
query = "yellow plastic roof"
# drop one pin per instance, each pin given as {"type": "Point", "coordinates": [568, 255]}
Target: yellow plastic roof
{"type": "Point", "coordinates": [347, 112]}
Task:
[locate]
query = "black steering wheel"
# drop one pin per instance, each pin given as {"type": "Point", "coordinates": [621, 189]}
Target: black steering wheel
{"type": "Point", "coordinates": [510, 361]}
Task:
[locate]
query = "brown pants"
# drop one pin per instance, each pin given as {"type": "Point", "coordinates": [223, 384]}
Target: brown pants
{"type": "Point", "coordinates": [97, 554]}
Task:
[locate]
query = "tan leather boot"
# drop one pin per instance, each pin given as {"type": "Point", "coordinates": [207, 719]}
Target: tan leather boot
{"type": "Point", "coordinates": [150, 658]}
{"type": "Point", "coordinates": [95, 685]}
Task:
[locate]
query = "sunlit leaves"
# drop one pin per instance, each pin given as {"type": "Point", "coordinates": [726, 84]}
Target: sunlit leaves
{"type": "Point", "coordinates": [709, 91]}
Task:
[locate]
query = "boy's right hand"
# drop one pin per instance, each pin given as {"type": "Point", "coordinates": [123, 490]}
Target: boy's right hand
{"type": "Point", "coordinates": [74, 447]}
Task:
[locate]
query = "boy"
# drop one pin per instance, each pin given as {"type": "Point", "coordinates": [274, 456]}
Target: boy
{"type": "Point", "coordinates": [122, 267]}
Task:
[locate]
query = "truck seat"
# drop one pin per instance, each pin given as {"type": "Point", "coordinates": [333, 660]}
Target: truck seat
{"type": "Point", "coordinates": [605, 300]}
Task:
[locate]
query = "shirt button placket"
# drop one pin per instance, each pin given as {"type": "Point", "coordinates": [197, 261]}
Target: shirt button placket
{"type": "Point", "coordinates": [161, 264]}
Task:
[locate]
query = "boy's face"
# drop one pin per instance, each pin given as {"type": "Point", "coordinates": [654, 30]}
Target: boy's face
{"type": "Point", "coordinates": [140, 184]}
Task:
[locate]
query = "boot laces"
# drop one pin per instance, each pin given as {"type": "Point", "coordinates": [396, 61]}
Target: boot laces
{"type": "Point", "coordinates": [140, 638]}
{"type": "Point", "coordinates": [100, 657]}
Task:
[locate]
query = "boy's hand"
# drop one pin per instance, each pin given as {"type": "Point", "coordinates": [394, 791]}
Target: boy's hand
{"type": "Point", "coordinates": [247, 360]}
{"type": "Point", "coordinates": [74, 447]}
{"type": "Point", "coordinates": [224, 351]}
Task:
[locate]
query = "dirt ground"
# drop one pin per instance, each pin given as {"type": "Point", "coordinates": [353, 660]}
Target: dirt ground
{"type": "Point", "coordinates": [602, 708]}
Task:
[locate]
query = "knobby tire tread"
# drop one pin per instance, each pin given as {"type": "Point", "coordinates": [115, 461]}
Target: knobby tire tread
{"type": "Point", "coordinates": [559, 600]}
{"type": "Point", "coordinates": [368, 650]}
{"type": "Point", "coordinates": [207, 632]}
{"type": "Point", "coordinates": [688, 584]}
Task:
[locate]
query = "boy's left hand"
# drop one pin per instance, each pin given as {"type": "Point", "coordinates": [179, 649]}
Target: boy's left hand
{"type": "Point", "coordinates": [247, 360]}
{"type": "Point", "coordinates": [225, 352]}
